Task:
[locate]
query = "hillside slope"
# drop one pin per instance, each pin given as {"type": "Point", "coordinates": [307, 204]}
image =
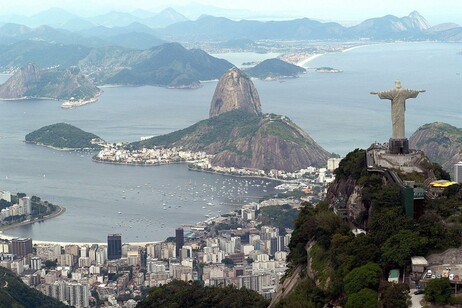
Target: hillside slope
{"type": "Point", "coordinates": [441, 142]}
{"type": "Point", "coordinates": [244, 140]}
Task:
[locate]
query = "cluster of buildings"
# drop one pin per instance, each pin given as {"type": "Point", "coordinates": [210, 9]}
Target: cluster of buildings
{"type": "Point", "coordinates": [22, 208]}
{"type": "Point", "coordinates": [216, 252]}
{"type": "Point", "coordinates": [119, 274]}
{"type": "Point", "coordinates": [157, 156]}
{"type": "Point", "coordinates": [324, 174]}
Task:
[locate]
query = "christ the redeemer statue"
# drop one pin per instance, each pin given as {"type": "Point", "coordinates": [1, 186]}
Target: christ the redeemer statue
{"type": "Point", "coordinates": [398, 96]}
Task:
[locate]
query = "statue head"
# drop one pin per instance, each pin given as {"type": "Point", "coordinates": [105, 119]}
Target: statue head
{"type": "Point", "coordinates": [398, 84]}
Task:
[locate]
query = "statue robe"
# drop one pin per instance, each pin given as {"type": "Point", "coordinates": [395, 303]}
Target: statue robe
{"type": "Point", "coordinates": [398, 98]}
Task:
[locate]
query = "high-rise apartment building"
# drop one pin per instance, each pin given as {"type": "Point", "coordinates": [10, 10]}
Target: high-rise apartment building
{"type": "Point", "coordinates": [458, 172]}
{"type": "Point", "coordinates": [21, 246]}
{"type": "Point", "coordinates": [114, 246]}
{"type": "Point", "coordinates": [179, 240]}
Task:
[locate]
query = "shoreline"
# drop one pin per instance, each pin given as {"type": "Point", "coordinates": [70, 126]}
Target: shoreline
{"type": "Point", "coordinates": [59, 212]}
{"type": "Point", "coordinates": [194, 169]}
{"type": "Point", "coordinates": [303, 62]}
{"type": "Point", "coordinates": [61, 149]}
{"type": "Point", "coordinates": [138, 165]}
{"type": "Point", "coordinates": [240, 176]}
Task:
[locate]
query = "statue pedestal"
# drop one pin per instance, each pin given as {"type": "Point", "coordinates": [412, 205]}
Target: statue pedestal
{"type": "Point", "coordinates": [398, 146]}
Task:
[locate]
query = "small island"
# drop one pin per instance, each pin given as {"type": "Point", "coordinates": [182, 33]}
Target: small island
{"type": "Point", "coordinates": [326, 69]}
{"type": "Point", "coordinates": [274, 69]}
{"type": "Point", "coordinates": [62, 136]}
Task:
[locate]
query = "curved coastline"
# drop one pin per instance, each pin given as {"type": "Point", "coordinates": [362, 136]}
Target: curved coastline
{"type": "Point", "coordinates": [61, 149]}
{"type": "Point", "coordinates": [60, 211]}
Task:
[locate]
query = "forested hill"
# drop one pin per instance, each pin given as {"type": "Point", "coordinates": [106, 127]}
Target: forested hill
{"type": "Point", "coordinates": [351, 271]}
{"type": "Point", "coordinates": [274, 68]}
{"type": "Point", "coordinates": [244, 140]}
{"type": "Point", "coordinates": [15, 294]}
{"type": "Point", "coordinates": [64, 136]}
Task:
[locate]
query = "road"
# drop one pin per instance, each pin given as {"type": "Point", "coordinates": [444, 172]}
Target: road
{"type": "Point", "coordinates": [416, 299]}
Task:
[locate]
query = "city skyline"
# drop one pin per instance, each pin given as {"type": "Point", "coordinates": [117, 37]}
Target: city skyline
{"type": "Point", "coordinates": [333, 10]}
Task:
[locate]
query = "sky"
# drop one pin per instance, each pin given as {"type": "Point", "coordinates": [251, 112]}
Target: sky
{"type": "Point", "coordinates": [435, 11]}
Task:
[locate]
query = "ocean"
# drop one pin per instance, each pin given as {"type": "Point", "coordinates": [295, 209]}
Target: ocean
{"type": "Point", "coordinates": [148, 203]}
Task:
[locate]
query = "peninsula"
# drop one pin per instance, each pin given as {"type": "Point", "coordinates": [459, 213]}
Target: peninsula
{"type": "Point", "coordinates": [18, 209]}
{"type": "Point", "coordinates": [62, 136]}
{"type": "Point", "coordinates": [237, 138]}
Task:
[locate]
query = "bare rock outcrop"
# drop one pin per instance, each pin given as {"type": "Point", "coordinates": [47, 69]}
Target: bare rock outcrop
{"type": "Point", "coordinates": [235, 91]}
{"type": "Point", "coordinates": [21, 82]}
{"type": "Point", "coordinates": [31, 82]}
{"type": "Point", "coordinates": [441, 142]}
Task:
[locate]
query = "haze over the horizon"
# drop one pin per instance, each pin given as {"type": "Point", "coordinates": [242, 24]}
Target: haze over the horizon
{"type": "Point", "coordinates": [332, 10]}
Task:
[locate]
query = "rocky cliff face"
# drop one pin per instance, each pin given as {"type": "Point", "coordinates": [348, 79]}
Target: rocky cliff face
{"type": "Point", "coordinates": [441, 142]}
{"type": "Point", "coordinates": [21, 82]}
{"type": "Point", "coordinates": [277, 144]}
{"type": "Point", "coordinates": [235, 91]}
{"type": "Point", "coordinates": [32, 82]}
{"type": "Point", "coordinates": [346, 195]}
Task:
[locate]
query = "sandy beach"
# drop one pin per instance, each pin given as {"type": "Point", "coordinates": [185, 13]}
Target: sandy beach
{"type": "Point", "coordinates": [303, 62]}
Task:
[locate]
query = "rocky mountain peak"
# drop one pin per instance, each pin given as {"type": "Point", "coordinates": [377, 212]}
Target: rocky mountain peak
{"type": "Point", "coordinates": [418, 21]}
{"type": "Point", "coordinates": [30, 73]}
{"type": "Point", "coordinates": [234, 91]}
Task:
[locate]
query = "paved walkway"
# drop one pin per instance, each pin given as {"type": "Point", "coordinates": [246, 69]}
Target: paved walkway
{"type": "Point", "coordinates": [415, 299]}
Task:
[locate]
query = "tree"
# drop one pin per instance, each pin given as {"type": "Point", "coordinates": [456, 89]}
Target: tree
{"type": "Point", "coordinates": [438, 291]}
{"type": "Point", "coordinates": [191, 294]}
{"type": "Point", "coordinates": [394, 295]}
{"type": "Point", "coordinates": [228, 262]}
{"type": "Point", "coordinates": [51, 264]}
{"type": "Point", "coordinates": [401, 246]}
{"type": "Point", "coordinates": [366, 276]}
{"type": "Point", "coordinates": [366, 298]}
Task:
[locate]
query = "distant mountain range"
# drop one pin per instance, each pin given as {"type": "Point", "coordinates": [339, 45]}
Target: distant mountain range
{"type": "Point", "coordinates": [411, 27]}
{"type": "Point", "coordinates": [169, 64]}
{"type": "Point", "coordinates": [137, 54]}
{"type": "Point", "coordinates": [63, 19]}
{"type": "Point", "coordinates": [59, 26]}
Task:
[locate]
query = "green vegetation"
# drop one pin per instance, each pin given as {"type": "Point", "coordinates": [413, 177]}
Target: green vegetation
{"type": "Point", "coordinates": [438, 291]}
{"type": "Point", "coordinates": [394, 295]}
{"type": "Point", "coordinates": [183, 294]}
{"type": "Point", "coordinates": [243, 139]}
{"type": "Point", "coordinates": [63, 136]}
{"type": "Point", "coordinates": [56, 83]}
{"type": "Point", "coordinates": [215, 130]}
{"type": "Point", "coordinates": [347, 268]}
{"type": "Point", "coordinates": [353, 165]}
{"type": "Point", "coordinates": [282, 216]}
{"type": "Point", "coordinates": [366, 298]}
{"type": "Point", "coordinates": [15, 294]}
{"type": "Point", "coordinates": [169, 64]}
{"type": "Point", "coordinates": [366, 276]}
{"type": "Point", "coordinates": [274, 68]}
